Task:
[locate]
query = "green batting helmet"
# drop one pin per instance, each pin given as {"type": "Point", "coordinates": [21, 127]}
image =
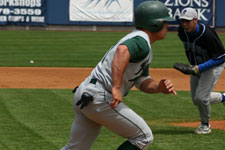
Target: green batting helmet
{"type": "Point", "coordinates": [150, 15]}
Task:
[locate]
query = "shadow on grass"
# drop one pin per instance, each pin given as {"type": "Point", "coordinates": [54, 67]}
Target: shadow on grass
{"type": "Point", "coordinates": [176, 131]}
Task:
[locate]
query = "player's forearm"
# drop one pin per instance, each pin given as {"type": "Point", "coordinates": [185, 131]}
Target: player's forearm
{"type": "Point", "coordinates": [117, 76]}
{"type": "Point", "coordinates": [119, 64]}
{"type": "Point", "coordinates": [150, 86]}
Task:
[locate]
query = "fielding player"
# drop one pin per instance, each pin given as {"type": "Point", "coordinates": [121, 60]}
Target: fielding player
{"type": "Point", "coordinates": [206, 55]}
{"type": "Point", "coordinates": [98, 100]}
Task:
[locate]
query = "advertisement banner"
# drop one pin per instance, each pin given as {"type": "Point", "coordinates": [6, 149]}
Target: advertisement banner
{"type": "Point", "coordinates": [204, 8]}
{"type": "Point", "coordinates": [23, 12]}
{"type": "Point", "coordinates": [101, 10]}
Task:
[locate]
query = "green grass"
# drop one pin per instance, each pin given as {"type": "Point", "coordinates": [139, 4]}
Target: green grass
{"type": "Point", "coordinates": [41, 119]}
{"type": "Point", "coordinates": [55, 48]}
{"type": "Point", "coordinates": [77, 49]}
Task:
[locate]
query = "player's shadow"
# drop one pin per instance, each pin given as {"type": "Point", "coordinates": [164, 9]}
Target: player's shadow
{"type": "Point", "coordinates": [175, 131]}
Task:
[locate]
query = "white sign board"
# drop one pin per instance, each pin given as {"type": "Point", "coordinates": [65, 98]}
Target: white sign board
{"type": "Point", "coordinates": [101, 10]}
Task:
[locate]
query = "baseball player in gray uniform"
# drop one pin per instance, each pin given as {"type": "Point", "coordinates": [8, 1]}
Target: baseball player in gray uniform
{"type": "Point", "coordinates": [98, 99]}
{"type": "Point", "coordinates": [206, 54]}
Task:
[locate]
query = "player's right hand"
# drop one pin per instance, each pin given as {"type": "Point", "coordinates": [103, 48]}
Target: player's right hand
{"type": "Point", "coordinates": [117, 97]}
{"type": "Point", "coordinates": [166, 87]}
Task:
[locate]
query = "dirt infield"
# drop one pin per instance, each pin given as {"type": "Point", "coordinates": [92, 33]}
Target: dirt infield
{"type": "Point", "coordinates": [220, 124]}
{"type": "Point", "coordinates": [68, 78]}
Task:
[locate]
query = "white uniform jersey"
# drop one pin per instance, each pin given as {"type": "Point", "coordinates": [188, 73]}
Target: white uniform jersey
{"type": "Point", "coordinates": [134, 70]}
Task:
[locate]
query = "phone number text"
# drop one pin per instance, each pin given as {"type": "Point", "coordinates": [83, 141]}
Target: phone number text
{"type": "Point", "coordinates": [20, 11]}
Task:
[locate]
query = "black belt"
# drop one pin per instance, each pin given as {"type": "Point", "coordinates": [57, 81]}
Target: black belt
{"type": "Point", "coordinates": [93, 81]}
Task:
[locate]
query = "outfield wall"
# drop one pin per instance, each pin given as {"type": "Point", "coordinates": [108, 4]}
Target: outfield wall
{"type": "Point", "coordinates": [58, 12]}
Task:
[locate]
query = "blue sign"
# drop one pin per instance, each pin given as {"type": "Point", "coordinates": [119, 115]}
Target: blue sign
{"type": "Point", "coordinates": [204, 8]}
{"type": "Point", "coordinates": [23, 12]}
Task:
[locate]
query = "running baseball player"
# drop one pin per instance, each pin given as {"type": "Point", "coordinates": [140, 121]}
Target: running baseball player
{"type": "Point", "coordinates": [98, 100]}
{"type": "Point", "coordinates": [206, 55]}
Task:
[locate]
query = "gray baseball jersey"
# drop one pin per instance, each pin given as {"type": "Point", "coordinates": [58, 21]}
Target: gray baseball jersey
{"type": "Point", "coordinates": [134, 70]}
{"type": "Point", "coordinates": [121, 120]}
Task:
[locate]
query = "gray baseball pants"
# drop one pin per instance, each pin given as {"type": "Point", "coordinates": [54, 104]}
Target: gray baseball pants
{"type": "Point", "coordinates": [122, 120]}
{"type": "Point", "coordinates": [202, 91]}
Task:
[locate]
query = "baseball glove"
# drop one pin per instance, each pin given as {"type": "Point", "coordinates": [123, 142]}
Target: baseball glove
{"type": "Point", "coordinates": [186, 69]}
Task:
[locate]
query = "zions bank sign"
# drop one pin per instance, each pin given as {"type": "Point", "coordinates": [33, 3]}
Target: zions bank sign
{"type": "Point", "coordinates": [204, 8]}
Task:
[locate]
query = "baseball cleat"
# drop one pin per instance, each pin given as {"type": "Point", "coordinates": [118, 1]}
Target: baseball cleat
{"type": "Point", "coordinates": [203, 129]}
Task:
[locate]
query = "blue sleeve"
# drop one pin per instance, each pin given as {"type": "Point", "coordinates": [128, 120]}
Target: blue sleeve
{"type": "Point", "coordinates": [211, 63]}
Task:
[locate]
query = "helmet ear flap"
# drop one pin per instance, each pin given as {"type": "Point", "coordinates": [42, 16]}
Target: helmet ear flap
{"type": "Point", "coordinates": [156, 26]}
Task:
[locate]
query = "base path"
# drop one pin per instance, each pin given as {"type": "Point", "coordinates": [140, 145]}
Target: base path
{"type": "Point", "coordinates": [68, 78]}
{"type": "Point", "coordinates": [220, 124]}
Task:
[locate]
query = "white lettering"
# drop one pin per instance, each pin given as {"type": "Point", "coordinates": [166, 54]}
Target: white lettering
{"type": "Point", "coordinates": [3, 18]}
{"type": "Point", "coordinates": [6, 11]}
{"type": "Point", "coordinates": [201, 14]}
{"type": "Point", "coordinates": [27, 3]}
{"type": "Point", "coordinates": [170, 12]}
{"type": "Point", "coordinates": [27, 19]}
{"type": "Point", "coordinates": [38, 3]}
{"type": "Point", "coordinates": [16, 3]}
{"type": "Point", "coordinates": [197, 2]}
{"type": "Point", "coordinates": [185, 3]}
{"type": "Point", "coordinates": [176, 3]}
{"type": "Point", "coordinates": [177, 13]}
{"type": "Point", "coordinates": [16, 18]}
{"type": "Point", "coordinates": [205, 3]}
{"type": "Point", "coordinates": [21, 3]}
{"type": "Point", "coordinates": [37, 19]}
{"type": "Point", "coordinates": [167, 3]}
{"type": "Point", "coordinates": [11, 3]}
{"type": "Point", "coordinates": [1, 3]}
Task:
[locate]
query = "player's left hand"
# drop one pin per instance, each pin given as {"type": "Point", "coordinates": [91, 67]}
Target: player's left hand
{"type": "Point", "coordinates": [187, 69]}
{"type": "Point", "coordinates": [166, 87]}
